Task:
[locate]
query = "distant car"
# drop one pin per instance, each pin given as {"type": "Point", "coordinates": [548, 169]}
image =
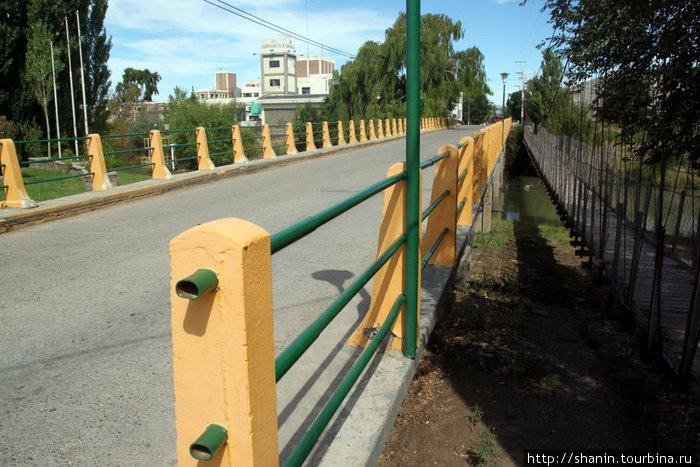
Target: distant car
{"type": "Point", "coordinates": [497, 118]}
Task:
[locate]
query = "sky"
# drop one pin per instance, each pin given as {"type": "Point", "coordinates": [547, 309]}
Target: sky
{"type": "Point", "coordinates": [187, 41]}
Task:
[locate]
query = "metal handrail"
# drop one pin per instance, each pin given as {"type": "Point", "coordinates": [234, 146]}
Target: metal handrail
{"type": "Point", "coordinates": [34, 182]}
{"type": "Point", "coordinates": [433, 248]}
{"type": "Point", "coordinates": [434, 160]}
{"type": "Point", "coordinates": [435, 204]}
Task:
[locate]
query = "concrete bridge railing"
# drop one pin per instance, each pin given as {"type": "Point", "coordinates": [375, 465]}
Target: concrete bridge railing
{"type": "Point", "coordinates": [224, 367]}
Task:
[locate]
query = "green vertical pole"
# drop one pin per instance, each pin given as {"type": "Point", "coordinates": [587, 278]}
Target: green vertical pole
{"type": "Point", "coordinates": [410, 330]}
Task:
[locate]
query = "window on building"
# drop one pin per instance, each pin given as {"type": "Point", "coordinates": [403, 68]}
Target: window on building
{"type": "Point", "coordinates": [306, 91]}
{"type": "Point", "coordinates": [274, 63]}
{"type": "Point", "coordinates": [256, 94]}
{"type": "Point", "coordinates": [274, 83]}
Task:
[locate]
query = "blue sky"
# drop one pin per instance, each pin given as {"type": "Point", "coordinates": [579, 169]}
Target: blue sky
{"type": "Point", "coordinates": [186, 41]}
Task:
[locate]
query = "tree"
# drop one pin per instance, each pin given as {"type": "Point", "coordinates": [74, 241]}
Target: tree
{"type": "Point", "coordinates": [38, 69]}
{"type": "Point", "coordinates": [96, 48]}
{"type": "Point", "coordinates": [544, 96]}
{"type": "Point", "coordinates": [138, 85]}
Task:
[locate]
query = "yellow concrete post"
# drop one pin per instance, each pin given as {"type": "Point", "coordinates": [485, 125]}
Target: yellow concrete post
{"type": "Point", "coordinates": [400, 123]}
{"type": "Point", "coordinates": [160, 170]}
{"type": "Point", "coordinates": [351, 132]}
{"type": "Point", "coordinates": [363, 132]}
{"type": "Point", "coordinates": [479, 162]}
{"type": "Point", "coordinates": [223, 344]}
{"type": "Point", "coordinates": [238, 151]}
{"type": "Point", "coordinates": [387, 128]}
{"type": "Point", "coordinates": [15, 194]}
{"type": "Point", "coordinates": [394, 128]}
{"type": "Point", "coordinates": [310, 145]}
{"type": "Point", "coordinates": [445, 214]}
{"type": "Point", "coordinates": [389, 281]}
{"type": "Point", "coordinates": [100, 180]}
{"type": "Point", "coordinates": [205, 162]}
{"type": "Point", "coordinates": [380, 128]}
{"type": "Point", "coordinates": [466, 162]}
{"type": "Point", "coordinates": [372, 134]}
{"type": "Point", "coordinates": [341, 134]}
{"type": "Point", "coordinates": [326, 136]}
{"type": "Point", "coordinates": [268, 151]}
{"type": "Point", "coordinates": [291, 145]}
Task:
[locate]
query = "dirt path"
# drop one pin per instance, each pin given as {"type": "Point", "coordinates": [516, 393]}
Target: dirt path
{"type": "Point", "coordinates": [529, 357]}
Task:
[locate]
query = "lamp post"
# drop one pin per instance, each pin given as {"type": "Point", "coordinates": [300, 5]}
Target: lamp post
{"type": "Point", "coordinates": [504, 77]}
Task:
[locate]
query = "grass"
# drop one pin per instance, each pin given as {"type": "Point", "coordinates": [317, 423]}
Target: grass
{"type": "Point", "coordinates": [60, 188]}
{"type": "Point", "coordinates": [501, 232]}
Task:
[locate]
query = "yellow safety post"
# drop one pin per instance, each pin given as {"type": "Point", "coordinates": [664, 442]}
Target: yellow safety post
{"type": "Point", "coordinates": [363, 132]}
{"type": "Point", "coordinates": [15, 194]}
{"type": "Point", "coordinates": [100, 179]}
{"type": "Point", "coordinates": [326, 136]}
{"type": "Point", "coordinates": [291, 145]}
{"type": "Point", "coordinates": [238, 151]}
{"type": "Point", "coordinates": [387, 128]}
{"type": "Point", "coordinates": [401, 127]}
{"type": "Point", "coordinates": [465, 191]}
{"type": "Point", "coordinates": [310, 145]}
{"type": "Point", "coordinates": [205, 162]}
{"type": "Point", "coordinates": [160, 170]}
{"type": "Point", "coordinates": [223, 344]}
{"type": "Point", "coordinates": [389, 281]}
{"type": "Point", "coordinates": [444, 215]}
{"type": "Point", "coordinates": [351, 132]}
{"type": "Point", "coordinates": [394, 128]}
{"type": "Point", "coordinates": [268, 151]}
{"type": "Point", "coordinates": [479, 160]}
{"type": "Point", "coordinates": [380, 128]}
{"type": "Point", "coordinates": [372, 134]}
{"type": "Point", "coordinates": [341, 134]}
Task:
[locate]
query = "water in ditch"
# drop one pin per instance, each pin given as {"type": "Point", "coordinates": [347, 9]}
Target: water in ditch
{"type": "Point", "coordinates": [525, 199]}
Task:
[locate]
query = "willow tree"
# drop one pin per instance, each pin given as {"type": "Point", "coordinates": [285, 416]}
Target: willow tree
{"type": "Point", "coordinates": [374, 84]}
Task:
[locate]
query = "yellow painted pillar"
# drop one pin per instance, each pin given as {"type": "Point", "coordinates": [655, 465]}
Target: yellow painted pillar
{"type": "Point", "coordinates": [372, 134]}
{"type": "Point", "coordinates": [341, 134]}
{"type": "Point", "coordinates": [389, 281]}
{"type": "Point", "coordinates": [351, 131]}
{"type": "Point", "coordinates": [15, 194]}
{"type": "Point", "coordinates": [268, 151]}
{"type": "Point", "coordinates": [205, 162]}
{"type": "Point", "coordinates": [310, 145]}
{"type": "Point", "coordinates": [465, 186]}
{"type": "Point", "coordinates": [401, 127]}
{"type": "Point", "coordinates": [380, 129]}
{"type": "Point", "coordinates": [387, 127]}
{"type": "Point", "coordinates": [238, 151]}
{"type": "Point", "coordinates": [363, 132]}
{"type": "Point", "coordinates": [445, 214]}
{"type": "Point", "coordinates": [223, 343]}
{"type": "Point", "coordinates": [291, 145]}
{"type": "Point", "coordinates": [394, 128]}
{"type": "Point", "coordinates": [160, 170]}
{"type": "Point", "coordinates": [326, 136]}
{"type": "Point", "coordinates": [479, 162]}
{"type": "Point", "coordinates": [100, 180]}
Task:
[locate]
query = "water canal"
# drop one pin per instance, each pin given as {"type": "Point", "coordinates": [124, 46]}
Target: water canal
{"type": "Point", "coordinates": [525, 200]}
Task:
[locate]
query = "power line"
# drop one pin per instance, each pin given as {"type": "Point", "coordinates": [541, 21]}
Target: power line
{"type": "Point", "coordinates": [266, 24]}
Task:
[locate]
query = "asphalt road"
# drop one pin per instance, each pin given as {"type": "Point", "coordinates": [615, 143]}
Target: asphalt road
{"type": "Point", "coordinates": [85, 358]}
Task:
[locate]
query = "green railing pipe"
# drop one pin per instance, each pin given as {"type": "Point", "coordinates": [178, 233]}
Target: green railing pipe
{"type": "Point", "coordinates": [413, 188]}
{"type": "Point", "coordinates": [204, 449]}
{"type": "Point", "coordinates": [195, 285]}
{"type": "Point", "coordinates": [55, 159]}
{"type": "Point", "coordinates": [429, 254]}
{"type": "Point", "coordinates": [307, 337]}
{"type": "Point", "coordinates": [461, 206]}
{"type": "Point", "coordinates": [54, 179]}
{"type": "Point", "coordinates": [434, 160]}
{"type": "Point", "coordinates": [227, 140]}
{"type": "Point", "coordinates": [54, 140]}
{"type": "Point", "coordinates": [435, 204]}
{"type": "Point", "coordinates": [299, 230]}
{"type": "Point", "coordinates": [307, 443]}
{"type": "Point", "coordinates": [124, 151]}
{"type": "Point", "coordinates": [127, 167]}
{"type": "Point", "coordinates": [125, 134]}
{"type": "Point", "coordinates": [462, 175]}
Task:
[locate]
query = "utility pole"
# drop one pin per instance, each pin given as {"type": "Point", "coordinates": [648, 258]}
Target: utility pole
{"type": "Point", "coordinates": [82, 74]}
{"type": "Point", "coordinates": [72, 94]}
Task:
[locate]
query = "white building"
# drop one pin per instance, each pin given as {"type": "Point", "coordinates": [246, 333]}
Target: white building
{"type": "Point", "coordinates": [314, 75]}
{"type": "Point", "coordinates": [225, 87]}
{"type": "Point", "coordinates": [278, 67]}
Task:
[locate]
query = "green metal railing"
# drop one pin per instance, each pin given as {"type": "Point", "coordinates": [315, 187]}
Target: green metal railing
{"type": "Point", "coordinates": [28, 163]}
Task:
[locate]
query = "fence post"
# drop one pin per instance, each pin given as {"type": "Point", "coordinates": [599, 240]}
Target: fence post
{"type": "Point", "coordinates": [223, 345]}
{"type": "Point", "coordinates": [363, 132]}
{"type": "Point", "coordinates": [389, 281]}
{"type": "Point", "coordinates": [205, 162]}
{"type": "Point", "coordinates": [394, 129]}
{"type": "Point", "coordinates": [466, 192]}
{"type": "Point", "coordinates": [387, 128]}
{"type": "Point", "coordinates": [401, 126]}
{"type": "Point", "coordinates": [380, 128]}
{"type": "Point", "coordinates": [238, 151]}
{"type": "Point", "coordinates": [15, 194]}
{"type": "Point", "coordinates": [291, 145]}
{"type": "Point", "coordinates": [341, 134]}
{"type": "Point", "coordinates": [100, 179]}
{"type": "Point", "coordinates": [445, 214]}
{"type": "Point", "coordinates": [268, 152]}
{"type": "Point", "coordinates": [160, 170]}
{"type": "Point", "coordinates": [352, 139]}
{"type": "Point", "coordinates": [326, 136]}
{"type": "Point", "coordinates": [372, 134]}
{"type": "Point", "coordinates": [310, 145]}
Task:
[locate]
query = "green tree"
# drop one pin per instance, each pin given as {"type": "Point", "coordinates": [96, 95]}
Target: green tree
{"type": "Point", "coordinates": [543, 89]}
{"type": "Point", "coordinates": [137, 85]}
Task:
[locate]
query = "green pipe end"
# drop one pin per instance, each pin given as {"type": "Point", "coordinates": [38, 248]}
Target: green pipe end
{"type": "Point", "coordinates": [195, 285]}
{"type": "Point", "coordinates": [204, 449]}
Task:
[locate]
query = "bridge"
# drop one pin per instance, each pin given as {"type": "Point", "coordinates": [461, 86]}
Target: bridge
{"type": "Point", "coordinates": [86, 360]}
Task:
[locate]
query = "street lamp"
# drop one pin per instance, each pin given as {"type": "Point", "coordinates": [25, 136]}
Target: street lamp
{"type": "Point", "coordinates": [504, 77]}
